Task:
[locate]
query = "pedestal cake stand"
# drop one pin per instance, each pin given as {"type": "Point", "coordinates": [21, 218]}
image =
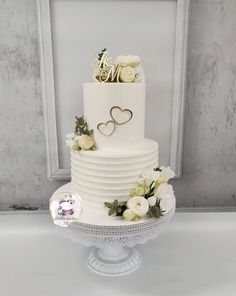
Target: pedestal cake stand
{"type": "Point", "coordinates": [113, 240]}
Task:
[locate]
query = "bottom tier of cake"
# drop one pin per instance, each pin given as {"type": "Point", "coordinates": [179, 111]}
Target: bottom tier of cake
{"type": "Point", "coordinates": [100, 176]}
{"type": "Point", "coordinates": [99, 216]}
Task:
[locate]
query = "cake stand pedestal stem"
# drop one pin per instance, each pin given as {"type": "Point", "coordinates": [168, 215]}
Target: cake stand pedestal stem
{"type": "Point", "coordinates": [113, 261]}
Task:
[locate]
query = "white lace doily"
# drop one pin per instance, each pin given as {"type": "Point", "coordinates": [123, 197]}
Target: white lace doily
{"type": "Point", "coordinates": [103, 236]}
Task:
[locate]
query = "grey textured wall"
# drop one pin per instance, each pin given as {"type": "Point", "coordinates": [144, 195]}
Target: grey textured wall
{"type": "Point", "coordinates": [209, 159]}
{"type": "Point", "coordinates": [22, 143]}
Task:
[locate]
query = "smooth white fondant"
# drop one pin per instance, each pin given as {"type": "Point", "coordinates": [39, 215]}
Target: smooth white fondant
{"type": "Point", "coordinates": [99, 98]}
{"type": "Point", "coordinates": [100, 176]}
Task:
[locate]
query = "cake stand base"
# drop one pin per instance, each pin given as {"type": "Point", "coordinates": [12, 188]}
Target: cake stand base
{"type": "Point", "coordinates": [112, 239]}
{"type": "Point", "coordinates": [113, 261]}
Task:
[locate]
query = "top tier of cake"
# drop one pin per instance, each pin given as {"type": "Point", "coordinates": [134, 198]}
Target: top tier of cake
{"type": "Point", "coordinates": [116, 113]}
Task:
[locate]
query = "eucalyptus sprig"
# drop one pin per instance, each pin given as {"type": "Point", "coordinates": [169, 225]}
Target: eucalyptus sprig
{"type": "Point", "coordinates": [81, 127]}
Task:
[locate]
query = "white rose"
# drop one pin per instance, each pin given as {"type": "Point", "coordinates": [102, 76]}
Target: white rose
{"type": "Point", "coordinates": [138, 205]}
{"type": "Point", "coordinates": [132, 61]}
{"type": "Point", "coordinates": [140, 190]}
{"type": "Point", "coordinates": [164, 191]}
{"type": "Point", "coordinates": [152, 201]}
{"type": "Point", "coordinates": [150, 175]}
{"type": "Point", "coordinates": [128, 215]}
{"type": "Point", "coordinates": [85, 142]}
{"type": "Point", "coordinates": [127, 74]}
{"type": "Point", "coordinates": [166, 174]}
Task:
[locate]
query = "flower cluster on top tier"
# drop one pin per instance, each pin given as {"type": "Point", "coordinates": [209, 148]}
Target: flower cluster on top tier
{"type": "Point", "coordinates": [82, 137]}
{"type": "Point", "coordinates": [125, 69]}
{"type": "Point", "coordinates": [146, 196]}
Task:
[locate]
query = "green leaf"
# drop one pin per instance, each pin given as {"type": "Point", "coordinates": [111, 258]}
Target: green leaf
{"type": "Point", "coordinates": [80, 120]}
{"type": "Point", "coordinates": [108, 205]}
{"type": "Point", "coordinates": [111, 212]}
{"type": "Point", "coordinates": [115, 203]}
{"type": "Point", "coordinates": [150, 191]}
{"type": "Point", "coordinates": [85, 126]}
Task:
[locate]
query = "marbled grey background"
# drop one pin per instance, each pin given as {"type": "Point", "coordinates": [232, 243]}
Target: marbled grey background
{"type": "Point", "coordinates": [209, 158]}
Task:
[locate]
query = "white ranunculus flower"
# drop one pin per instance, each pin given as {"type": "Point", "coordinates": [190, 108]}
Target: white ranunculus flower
{"type": "Point", "coordinates": [164, 190]}
{"type": "Point", "coordinates": [127, 74]}
{"type": "Point", "coordinates": [166, 173]}
{"type": "Point", "coordinates": [85, 142]}
{"type": "Point", "coordinates": [151, 175]}
{"type": "Point", "coordinates": [138, 205]}
{"type": "Point", "coordinates": [128, 215]}
{"type": "Point", "coordinates": [132, 61]}
{"type": "Point", "coordinates": [152, 201]}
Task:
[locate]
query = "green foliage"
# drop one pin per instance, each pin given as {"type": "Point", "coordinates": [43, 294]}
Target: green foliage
{"type": "Point", "coordinates": [151, 190]}
{"type": "Point", "coordinates": [115, 208]}
{"type": "Point", "coordinates": [155, 211]}
{"type": "Point", "coordinates": [80, 121]}
{"type": "Point", "coordinates": [81, 127]}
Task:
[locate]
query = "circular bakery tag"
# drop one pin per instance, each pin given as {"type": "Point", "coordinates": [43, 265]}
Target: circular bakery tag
{"type": "Point", "coordinates": [65, 208]}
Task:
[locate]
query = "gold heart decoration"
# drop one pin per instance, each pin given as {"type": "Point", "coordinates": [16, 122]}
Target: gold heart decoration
{"type": "Point", "coordinates": [116, 112]}
{"type": "Point", "coordinates": [107, 128]}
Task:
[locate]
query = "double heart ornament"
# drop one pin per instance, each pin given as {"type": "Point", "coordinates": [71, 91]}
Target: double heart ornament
{"type": "Point", "coordinates": [119, 116]}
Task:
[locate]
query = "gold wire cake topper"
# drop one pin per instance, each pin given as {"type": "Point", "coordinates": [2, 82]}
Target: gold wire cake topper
{"type": "Point", "coordinates": [125, 69]}
{"type": "Point", "coordinates": [125, 111]}
{"type": "Point", "coordinates": [108, 128]}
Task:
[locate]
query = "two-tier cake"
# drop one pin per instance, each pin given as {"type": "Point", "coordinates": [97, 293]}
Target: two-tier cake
{"type": "Point", "coordinates": [111, 160]}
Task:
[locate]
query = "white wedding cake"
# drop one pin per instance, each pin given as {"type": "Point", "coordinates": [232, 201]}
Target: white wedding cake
{"type": "Point", "coordinates": [116, 113]}
{"type": "Point", "coordinates": [112, 163]}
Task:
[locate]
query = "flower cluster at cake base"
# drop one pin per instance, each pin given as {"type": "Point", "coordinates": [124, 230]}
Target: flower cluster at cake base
{"type": "Point", "coordinates": [125, 69]}
{"type": "Point", "coordinates": [82, 138]}
{"type": "Point", "coordinates": [146, 196]}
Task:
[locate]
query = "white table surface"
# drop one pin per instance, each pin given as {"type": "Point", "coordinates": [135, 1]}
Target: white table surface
{"type": "Point", "coordinates": [196, 256]}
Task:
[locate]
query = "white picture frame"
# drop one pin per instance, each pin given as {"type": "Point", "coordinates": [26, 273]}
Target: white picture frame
{"type": "Point", "coordinates": [54, 172]}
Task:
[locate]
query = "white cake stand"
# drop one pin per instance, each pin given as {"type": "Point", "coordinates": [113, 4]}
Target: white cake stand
{"type": "Point", "coordinates": [114, 240]}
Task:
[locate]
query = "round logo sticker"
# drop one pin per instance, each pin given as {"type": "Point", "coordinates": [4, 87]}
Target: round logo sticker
{"type": "Point", "coordinates": [65, 208]}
